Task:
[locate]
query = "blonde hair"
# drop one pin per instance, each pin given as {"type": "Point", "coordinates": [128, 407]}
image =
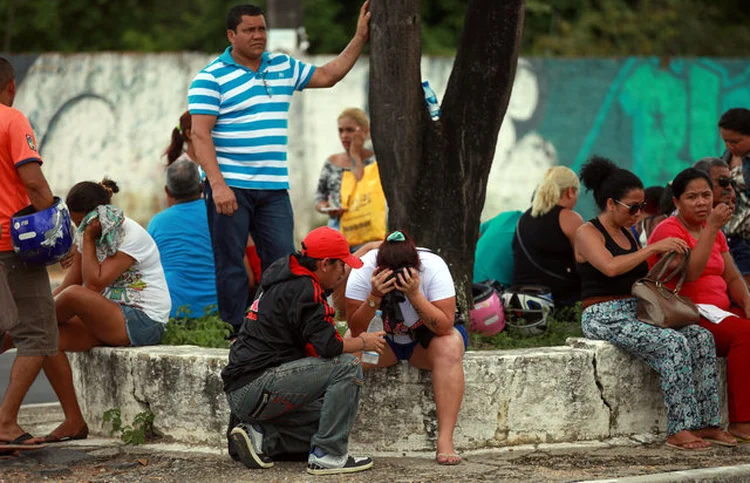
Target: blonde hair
{"type": "Point", "coordinates": [358, 115]}
{"type": "Point", "coordinates": [556, 180]}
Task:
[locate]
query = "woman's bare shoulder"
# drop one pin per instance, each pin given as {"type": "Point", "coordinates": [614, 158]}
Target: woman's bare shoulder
{"type": "Point", "coordinates": [340, 160]}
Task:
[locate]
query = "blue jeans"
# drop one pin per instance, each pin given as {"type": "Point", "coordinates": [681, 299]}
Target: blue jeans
{"type": "Point", "coordinates": [264, 214]}
{"type": "Point", "coordinates": [302, 404]}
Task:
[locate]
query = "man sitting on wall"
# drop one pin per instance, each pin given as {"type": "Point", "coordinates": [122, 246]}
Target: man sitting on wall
{"type": "Point", "coordinates": [291, 379]}
{"type": "Point", "coordinates": [181, 234]}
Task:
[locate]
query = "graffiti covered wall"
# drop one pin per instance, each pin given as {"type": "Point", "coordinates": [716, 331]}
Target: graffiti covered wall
{"type": "Point", "coordinates": [107, 114]}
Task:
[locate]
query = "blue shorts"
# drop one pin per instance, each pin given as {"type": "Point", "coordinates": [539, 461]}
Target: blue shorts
{"type": "Point", "coordinates": [142, 330]}
{"type": "Point", "coordinates": [403, 352]}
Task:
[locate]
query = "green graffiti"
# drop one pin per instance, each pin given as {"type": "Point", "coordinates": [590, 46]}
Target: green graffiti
{"type": "Point", "coordinates": [668, 110]}
{"type": "Point", "coordinates": [659, 127]}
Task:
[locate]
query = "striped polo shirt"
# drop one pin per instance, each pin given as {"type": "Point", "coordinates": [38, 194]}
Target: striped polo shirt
{"type": "Point", "coordinates": [252, 116]}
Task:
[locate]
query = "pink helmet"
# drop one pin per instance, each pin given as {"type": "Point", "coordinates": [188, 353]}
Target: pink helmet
{"type": "Point", "coordinates": [487, 317]}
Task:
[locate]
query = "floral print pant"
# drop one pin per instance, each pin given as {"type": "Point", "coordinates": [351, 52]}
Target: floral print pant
{"type": "Point", "coordinates": [684, 358]}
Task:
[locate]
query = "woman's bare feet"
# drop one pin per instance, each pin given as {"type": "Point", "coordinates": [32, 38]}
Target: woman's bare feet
{"type": "Point", "coordinates": [740, 431]}
{"type": "Point", "coordinates": [446, 455]}
{"type": "Point", "coordinates": [686, 440]}
{"type": "Point", "coordinates": [716, 436]}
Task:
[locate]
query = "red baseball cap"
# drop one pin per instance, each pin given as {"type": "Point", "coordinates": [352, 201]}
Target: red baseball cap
{"type": "Point", "coordinates": [325, 242]}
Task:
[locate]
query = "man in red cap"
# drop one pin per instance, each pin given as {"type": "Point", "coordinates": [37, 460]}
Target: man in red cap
{"type": "Point", "coordinates": [292, 380]}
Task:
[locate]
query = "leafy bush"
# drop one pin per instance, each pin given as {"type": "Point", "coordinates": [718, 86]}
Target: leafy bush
{"type": "Point", "coordinates": [141, 430]}
{"type": "Point", "coordinates": [206, 331]}
{"type": "Point", "coordinates": [561, 324]}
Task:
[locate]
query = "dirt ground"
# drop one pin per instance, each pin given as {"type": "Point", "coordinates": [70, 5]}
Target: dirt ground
{"type": "Point", "coordinates": [111, 462]}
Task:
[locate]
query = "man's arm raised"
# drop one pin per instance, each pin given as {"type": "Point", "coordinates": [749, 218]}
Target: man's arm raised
{"type": "Point", "coordinates": [329, 74]}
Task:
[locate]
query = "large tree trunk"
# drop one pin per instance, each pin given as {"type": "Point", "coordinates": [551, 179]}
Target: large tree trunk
{"type": "Point", "coordinates": [434, 173]}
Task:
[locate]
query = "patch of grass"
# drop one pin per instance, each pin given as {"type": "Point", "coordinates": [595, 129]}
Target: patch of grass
{"type": "Point", "coordinates": [141, 430]}
{"type": "Point", "coordinates": [561, 324]}
{"type": "Point", "coordinates": [206, 331]}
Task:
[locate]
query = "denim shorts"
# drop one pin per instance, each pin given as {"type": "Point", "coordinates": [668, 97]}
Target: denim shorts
{"type": "Point", "coordinates": [142, 330]}
{"type": "Point", "coordinates": [403, 352]}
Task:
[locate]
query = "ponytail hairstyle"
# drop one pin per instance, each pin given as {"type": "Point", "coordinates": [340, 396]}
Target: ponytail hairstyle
{"type": "Point", "coordinates": [87, 195]}
{"type": "Point", "coordinates": [177, 145]}
{"type": "Point", "coordinates": [398, 251]}
{"type": "Point", "coordinates": [606, 180]}
{"type": "Point", "coordinates": [556, 180]}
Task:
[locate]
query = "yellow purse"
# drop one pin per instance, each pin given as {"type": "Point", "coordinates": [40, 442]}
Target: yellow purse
{"type": "Point", "coordinates": [364, 202]}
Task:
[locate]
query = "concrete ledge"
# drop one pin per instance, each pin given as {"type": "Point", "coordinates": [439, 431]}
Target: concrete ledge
{"type": "Point", "coordinates": [588, 390]}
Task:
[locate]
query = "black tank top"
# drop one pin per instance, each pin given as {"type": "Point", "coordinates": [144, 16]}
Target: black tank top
{"type": "Point", "coordinates": [551, 249]}
{"type": "Point", "coordinates": [595, 284]}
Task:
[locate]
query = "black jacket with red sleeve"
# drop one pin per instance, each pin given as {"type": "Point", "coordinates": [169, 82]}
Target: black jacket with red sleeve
{"type": "Point", "coordinates": [289, 320]}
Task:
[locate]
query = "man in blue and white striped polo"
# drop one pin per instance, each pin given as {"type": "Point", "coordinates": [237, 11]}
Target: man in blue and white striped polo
{"type": "Point", "coordinates": [240, 110]}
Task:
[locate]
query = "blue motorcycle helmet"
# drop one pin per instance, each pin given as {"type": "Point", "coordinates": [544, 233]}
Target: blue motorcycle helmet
{"type": "Point", "coordinates": [42, 237]}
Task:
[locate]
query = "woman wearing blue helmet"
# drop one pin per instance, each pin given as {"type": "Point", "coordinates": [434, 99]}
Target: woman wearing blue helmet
{"type": "Point", "coordinates": [114, 294]}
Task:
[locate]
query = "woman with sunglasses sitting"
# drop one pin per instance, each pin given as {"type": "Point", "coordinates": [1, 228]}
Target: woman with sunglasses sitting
{"type": "Point", "coordinates": [414, 290]}
{"type": "Point", "coordinates": [713, 279]}
{"type": "Point", "coordinates": [609, 261]}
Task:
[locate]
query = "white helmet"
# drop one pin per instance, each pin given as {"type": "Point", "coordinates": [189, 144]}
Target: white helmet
{"type": "Point", "coordinates": [527, 308]}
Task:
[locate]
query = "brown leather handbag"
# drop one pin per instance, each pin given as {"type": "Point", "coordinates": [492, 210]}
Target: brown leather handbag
{"type": "Point", "coordinates": [660, 306]}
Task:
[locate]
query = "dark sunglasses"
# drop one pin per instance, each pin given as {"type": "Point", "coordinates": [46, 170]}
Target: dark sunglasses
{"type": "Point", "coordinates": [723, 181]}
{"type": "Point", "coordinates": [634, 208]}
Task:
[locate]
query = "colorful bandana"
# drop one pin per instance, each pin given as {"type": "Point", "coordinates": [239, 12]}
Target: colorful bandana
{"type": "Point", "coordinates": [111, 219]}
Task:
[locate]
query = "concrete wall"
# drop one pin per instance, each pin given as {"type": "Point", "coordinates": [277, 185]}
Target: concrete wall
{"type": "Point", "coordinates": [586, 391]}
{"type": "Point", "coordinates": [112, 114]}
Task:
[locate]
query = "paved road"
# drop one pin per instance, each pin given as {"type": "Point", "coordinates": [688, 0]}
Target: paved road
{"type": "Point", "coordinates": [40, 391]}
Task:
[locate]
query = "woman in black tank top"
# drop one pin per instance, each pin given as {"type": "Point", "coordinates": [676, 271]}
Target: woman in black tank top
{"type": "Point", "coordinates": [543, 243]}
{"type": "Point", "coordinates": [609, 260]}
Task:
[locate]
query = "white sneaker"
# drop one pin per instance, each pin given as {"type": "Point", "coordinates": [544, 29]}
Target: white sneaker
{"type": "Point", "coordinates": [248, 442]}
{"type": "Point", "coordinates": [333, 465]}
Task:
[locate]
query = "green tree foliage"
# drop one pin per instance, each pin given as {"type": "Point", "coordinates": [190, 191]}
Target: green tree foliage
{"type": "Point", "coordinates": [117, 25]}
{"type": "Point", "coordinates": [639, 27]}
{"type": "Point", "coordinates": [553, 27]}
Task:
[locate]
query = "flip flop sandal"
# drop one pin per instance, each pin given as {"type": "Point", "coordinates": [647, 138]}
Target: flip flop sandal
{"type": "Point", "coordinates": [681, 447]}
{"type": "Point", "coordinates": [53, 438]}
{"type": "Point", "coordinates": [449, 461]}
{"type": "Point", "coordinates": [19, 443]}
{"type": "Point", "coordinates": [721, 443]}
